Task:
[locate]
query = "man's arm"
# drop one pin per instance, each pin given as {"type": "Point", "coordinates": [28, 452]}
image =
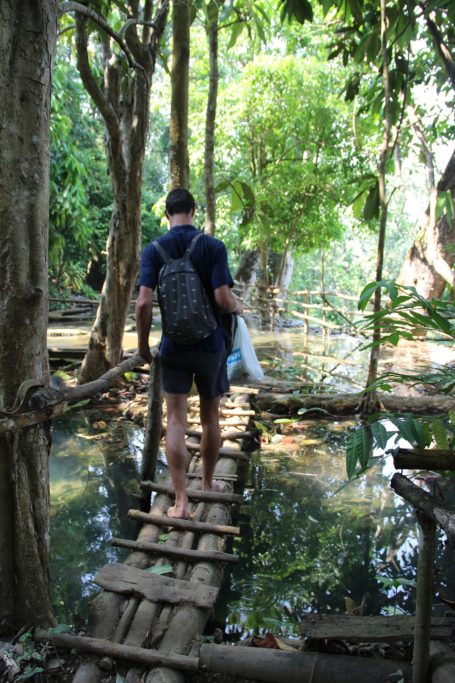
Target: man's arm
{"type": "Point", "coordinates": [226, 300]}
{"type": "Point", "coordinates": [144, 312]}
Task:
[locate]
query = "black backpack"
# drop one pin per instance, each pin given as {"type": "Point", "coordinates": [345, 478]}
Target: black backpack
{"type": "Point", "coordinates": [186, 312]}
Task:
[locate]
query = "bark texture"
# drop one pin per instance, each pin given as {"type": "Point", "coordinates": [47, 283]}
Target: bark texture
{"type": "Point", "coordinates": [428, 266]}
{"type": "Point", "coordinates": [180, 78]}
{"type": "Point", "coordinates": [29, 30]}
{"type": "Point", "coordinates": [123, 101]}
{"type": "Point", "coordinates": [210, 116]}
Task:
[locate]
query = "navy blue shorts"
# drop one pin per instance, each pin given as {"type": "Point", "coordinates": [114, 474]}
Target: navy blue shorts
{"type": "Point", "coordinates": [208, 370]}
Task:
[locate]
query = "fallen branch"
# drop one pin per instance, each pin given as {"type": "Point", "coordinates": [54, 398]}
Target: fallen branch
{"type": "Point", "coordinates": [425, 503]}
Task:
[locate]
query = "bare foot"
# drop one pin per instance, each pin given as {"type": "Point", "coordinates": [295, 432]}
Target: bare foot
{"type": "Point", "coordinates": [216, 485]}
{"type": "Point", "coordinates": [178, 511]}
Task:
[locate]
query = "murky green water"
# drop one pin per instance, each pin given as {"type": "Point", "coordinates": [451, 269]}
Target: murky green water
{"type": "Point", "coordinates": [306, 545]}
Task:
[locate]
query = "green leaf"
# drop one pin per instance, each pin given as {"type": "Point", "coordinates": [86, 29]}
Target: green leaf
{"type": "Point", "coordinates": [161, 569]}
{"type": "Point", "coordinates": [130, 376]}
{"type": "Point", "coordinates": [440, 434]}
{"type": "Point", "coordinates": [380, 435]}
{"type": "Point", "coordinates": [235, 33]}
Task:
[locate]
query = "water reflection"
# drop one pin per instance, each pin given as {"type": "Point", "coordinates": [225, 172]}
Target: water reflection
{"type": "Point", "coordinates": [308, 545]}
{"type": "Point", "coordinates": [94, 472]}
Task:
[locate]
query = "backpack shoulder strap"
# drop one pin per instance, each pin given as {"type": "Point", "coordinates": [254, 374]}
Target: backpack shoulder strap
{"type": "Point", "coordinates": [197, 237]}
{"type": "Point", "coordinates": [162, 252]}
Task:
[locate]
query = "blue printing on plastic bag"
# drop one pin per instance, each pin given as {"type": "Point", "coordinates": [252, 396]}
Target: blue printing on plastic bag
{"type": "Point", "coordinates": [234, 357]}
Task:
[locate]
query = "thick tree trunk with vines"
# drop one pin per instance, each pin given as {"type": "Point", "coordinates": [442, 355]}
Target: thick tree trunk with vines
{"type": "Point", "coordinates": [29, 31]}
{"type": "Point", "coordinates": [428, 266]}
{"type": "Point", "coordinates": [123, 101]}
{"type": "Point", "coordinates": [210, 118]}
{"type": "Point", "coordinates": [180, 167]}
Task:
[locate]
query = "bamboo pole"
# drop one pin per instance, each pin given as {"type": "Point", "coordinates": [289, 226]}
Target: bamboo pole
{"type": "Point", "coordinates": [100, 646]}
{"type": "Point", "coordinates": [153, 430]}
{"type": "Point", "coordinates": [186, 524]}
{"type": "Point", "coordinates": [194, 494]}
{"type": "Point", "coordinates": [173, 551]}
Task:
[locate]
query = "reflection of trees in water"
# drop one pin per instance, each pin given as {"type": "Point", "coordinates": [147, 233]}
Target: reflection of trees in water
{"type": "Point", "coordinates": [305, 550]}
{"type": "Point", "coordinates": [93, 485]}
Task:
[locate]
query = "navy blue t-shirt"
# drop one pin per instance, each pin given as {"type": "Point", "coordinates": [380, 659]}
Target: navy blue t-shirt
{"type": "Point", "coordinates": [210, 258]}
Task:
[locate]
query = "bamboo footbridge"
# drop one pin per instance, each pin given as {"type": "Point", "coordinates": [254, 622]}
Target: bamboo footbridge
{"type": "Point", "coordinates": [154, 607]}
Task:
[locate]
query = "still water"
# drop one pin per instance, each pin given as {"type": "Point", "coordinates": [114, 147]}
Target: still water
{"type": "Point", "coordinates": [309, 542]}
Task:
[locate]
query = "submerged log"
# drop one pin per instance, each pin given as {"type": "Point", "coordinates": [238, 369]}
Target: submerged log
{"type": "Point", "coordinates": [275, 666]}
{"type": "Point", "coordinates": [348, 404]}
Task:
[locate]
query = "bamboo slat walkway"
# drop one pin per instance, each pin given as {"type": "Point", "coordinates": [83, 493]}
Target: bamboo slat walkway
{"type": "Point", "coordinates": [161, 597]}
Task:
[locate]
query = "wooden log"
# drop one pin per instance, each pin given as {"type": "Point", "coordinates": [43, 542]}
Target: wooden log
{"type": "Point", "coordinates": [276, 666]}
{"type": "Point", "coordinates": [224, 435]}
{"type": "Point", "coordinates": [194, 494]}
{"type": "Point", "coordinates": [224, 452]}
{"type": "Point", "coordinates": [174, 551]}
{"type": "Point", "coordinates": [424, 459]}
{"type": "Point", "coordinates": [367, 629]}
{"type": "Point", "coordinates": [348, 404]}
{"type": "Point", "coordinates": [236, 412]}
{"type": "Point", "coordinates": [189, 622]}
{"type": "Point", "coordinates": [186, 524]}
{"type": "Point", "coordinates": [198, 474]}
{"type": "Point", "coordinates": [47, 402]}
{"type": "Point", "coordinates": [442, 663]}
{"type": "Point", "coordinates": [120, 578]}
{"type": "Point", "coordinates": [426, 504]}
{"type": "Point", "coordinates": [104, 647]}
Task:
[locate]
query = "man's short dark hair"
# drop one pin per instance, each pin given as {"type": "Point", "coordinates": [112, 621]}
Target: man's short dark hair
{"type": "Point", "coordinates": [179, 201]}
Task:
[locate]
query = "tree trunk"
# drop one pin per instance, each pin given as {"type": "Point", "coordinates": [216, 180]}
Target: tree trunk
{"type": "Point", "coordinates": [180, 167]}
{"type": "Point", "coordinates": [210, 118]}
{"type": "Point", "coordinates": [123, 101]}
{"type": "Point", "coordinates": [29, 31]}
{"type": "Point", "coordinates": [370, 402]}
{"type": "Point", "coordinates": [246, 274]}
{"type": "Point", "coordinates": [428, 266]}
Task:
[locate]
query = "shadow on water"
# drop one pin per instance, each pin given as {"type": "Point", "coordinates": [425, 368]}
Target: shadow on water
{"type": "Point", "coordinates": [307, 544]}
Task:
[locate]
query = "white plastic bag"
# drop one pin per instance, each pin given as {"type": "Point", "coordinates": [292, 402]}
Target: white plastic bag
{"type": "Point", "coordinates": [242, 363]}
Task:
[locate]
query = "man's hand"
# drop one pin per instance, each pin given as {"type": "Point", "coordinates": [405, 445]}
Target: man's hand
{"type": "Point", "coordinates": [144, 309]}
{"type": "Point", "coordinates": [146, 354]}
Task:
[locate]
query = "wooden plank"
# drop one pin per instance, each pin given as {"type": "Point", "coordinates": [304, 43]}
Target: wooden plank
{"type": "Point", "coordinates": [231, 435]}
{"type": "Point", "coordinates": [186, 524]}
{"type": "Point", "coordinates": [193, 494]}
{"type": "Point", "coordinates": [222, 477]}
{"type": "Point", "coordinates": [223, 452]}
{"type": "Point", "coordinates": [174, 551]}
{"type": "Point", "coordinates": [369, 629]}
{"type": "Point", "coordinates": [121, 578]}
{"type": "Point", "coordinates": [104, 647]}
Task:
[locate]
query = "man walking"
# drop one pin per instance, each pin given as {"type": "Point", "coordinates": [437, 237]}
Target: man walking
{"type": "Point", "coordinates": [205, 360]}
